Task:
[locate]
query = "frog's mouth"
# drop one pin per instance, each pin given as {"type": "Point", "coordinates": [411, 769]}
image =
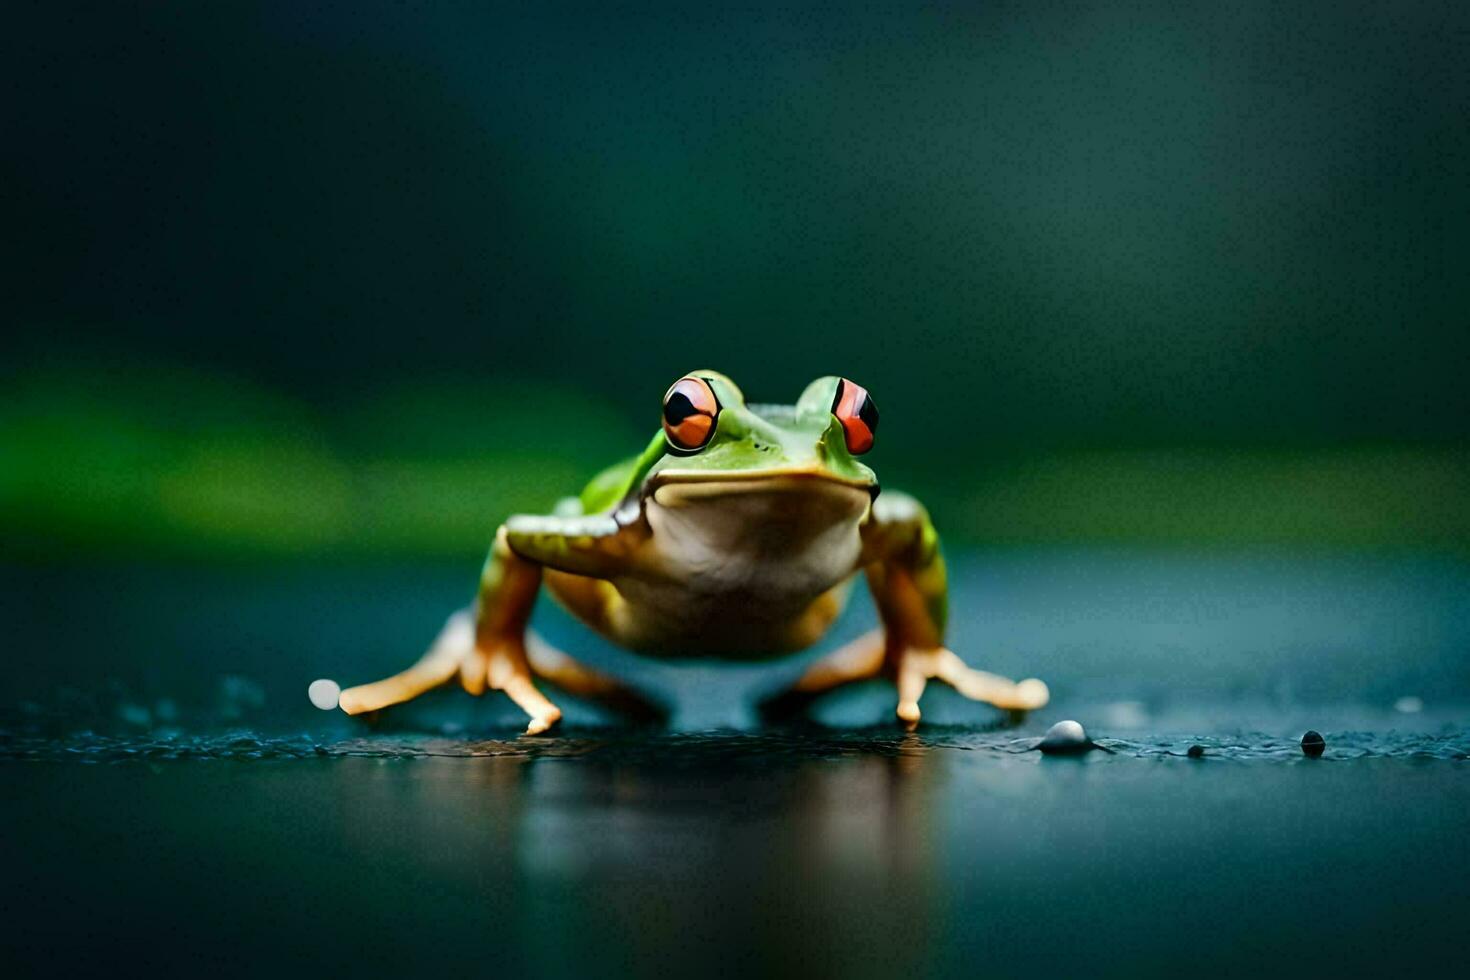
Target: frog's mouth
{"type": "Point", "coordinates": [707, 483]}
{"type": "Point", "coordinates": [787, 493]}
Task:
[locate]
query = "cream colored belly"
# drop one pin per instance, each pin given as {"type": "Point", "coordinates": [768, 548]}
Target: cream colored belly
{"type": "Point", "coordinates": [732, 572]}
{"type": "Point", "coordinates": [737, 625]}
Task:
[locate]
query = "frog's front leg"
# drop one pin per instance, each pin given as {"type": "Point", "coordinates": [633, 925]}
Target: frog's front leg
{"type": "Point", "coordinates": [909, 583]}
{"type": "Point", "coordinates": [484, 648]}
{"type": "Point", "coordinates": [492, 647]}
{"type": "Point", "coordinates": [906, 574]}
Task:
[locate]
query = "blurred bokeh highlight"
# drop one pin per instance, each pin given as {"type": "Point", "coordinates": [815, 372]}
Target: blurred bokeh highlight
{"type": "Point", "coordinates": [359, 281]}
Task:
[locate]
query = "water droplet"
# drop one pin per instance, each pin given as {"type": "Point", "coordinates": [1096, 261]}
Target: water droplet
{"type": "Point", "coordinates": [1063, 737]}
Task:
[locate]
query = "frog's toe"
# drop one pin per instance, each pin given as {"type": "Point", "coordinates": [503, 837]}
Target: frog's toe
{"type": "Point", "coordinates": [435, 668]}
{"type": "Point", "coordinates": [914, 671]}
{"type": "Point", "coordinates": [977, 685]}
{"type": "Point", "coordinates": [1023, 696]}
{"type": "Point", "coordinates": [1032, 694]}
{"type": "Point", "coordinates": [541, 723]}
{"type": "Point", "coordinates": [515, 680]}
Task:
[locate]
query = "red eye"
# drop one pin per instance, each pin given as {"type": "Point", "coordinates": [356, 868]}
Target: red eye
{"type": "Point", "coordinates": [690, 409]}
{"type": "Point", "coordinates": [854, 408]}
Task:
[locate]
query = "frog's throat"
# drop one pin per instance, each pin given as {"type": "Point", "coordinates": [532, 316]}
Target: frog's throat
{"type": "Point", "coordinates": [767, 545]}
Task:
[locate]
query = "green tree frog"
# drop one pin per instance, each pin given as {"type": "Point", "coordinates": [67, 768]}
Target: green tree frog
{"type": "Point", "coordinates": [736, 533]}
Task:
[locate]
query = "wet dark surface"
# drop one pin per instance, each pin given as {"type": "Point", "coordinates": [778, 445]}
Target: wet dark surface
{"type": "Point", "coordinates": [728, 855]}
{"type": "Point", "coordinates": [174, 804]}
{"type": "Point", "coordinates": [762, 748]}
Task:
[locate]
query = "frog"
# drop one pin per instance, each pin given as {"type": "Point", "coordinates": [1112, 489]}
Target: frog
{"type": "Point", "coordinates": [736, 534]}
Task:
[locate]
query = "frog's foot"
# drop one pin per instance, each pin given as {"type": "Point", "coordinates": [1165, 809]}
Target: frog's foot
{"type": "Point", "coordinates": [913, 668]}
{"type": "Point", "coordinates": [503, 667]}
{"type": "Point", "coordinates": [582, 681]}
{"type": "Point", "coordinates": [509, 666]}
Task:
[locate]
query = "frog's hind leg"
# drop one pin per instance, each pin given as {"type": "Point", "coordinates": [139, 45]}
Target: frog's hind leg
{"type": "Point", "coordinates": [581, 681]}
{"type": "Point", "coordinates": [860, 660]}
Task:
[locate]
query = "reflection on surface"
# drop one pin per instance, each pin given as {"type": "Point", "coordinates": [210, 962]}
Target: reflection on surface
{"type": "Point", "coordinates": [731, 854]}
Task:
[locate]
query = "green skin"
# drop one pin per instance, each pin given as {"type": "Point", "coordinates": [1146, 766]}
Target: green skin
{"type": "Point", "coordinates": [744, 548]}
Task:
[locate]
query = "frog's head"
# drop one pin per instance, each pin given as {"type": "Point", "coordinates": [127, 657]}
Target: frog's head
{"type": "Point", "coordinates": [712, 436]}
{"type": "Point", "coordinates": [763, 497]}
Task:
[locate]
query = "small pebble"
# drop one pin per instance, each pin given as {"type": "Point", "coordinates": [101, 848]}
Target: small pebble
{"type": "Point", "coordinates": [1065, 737]}
{"type": "Point", "coordinates": [1196, 752]}
{"type": "Point", "coordinates": [324, 694]}
{"type": "Point", "coordinates": [1313, 744]}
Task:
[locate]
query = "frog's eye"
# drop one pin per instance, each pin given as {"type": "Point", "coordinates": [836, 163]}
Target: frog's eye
{"type": "Point", "coordinates": [690, 410]}
{"type": "Point", "coordinates": [854, 408]}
